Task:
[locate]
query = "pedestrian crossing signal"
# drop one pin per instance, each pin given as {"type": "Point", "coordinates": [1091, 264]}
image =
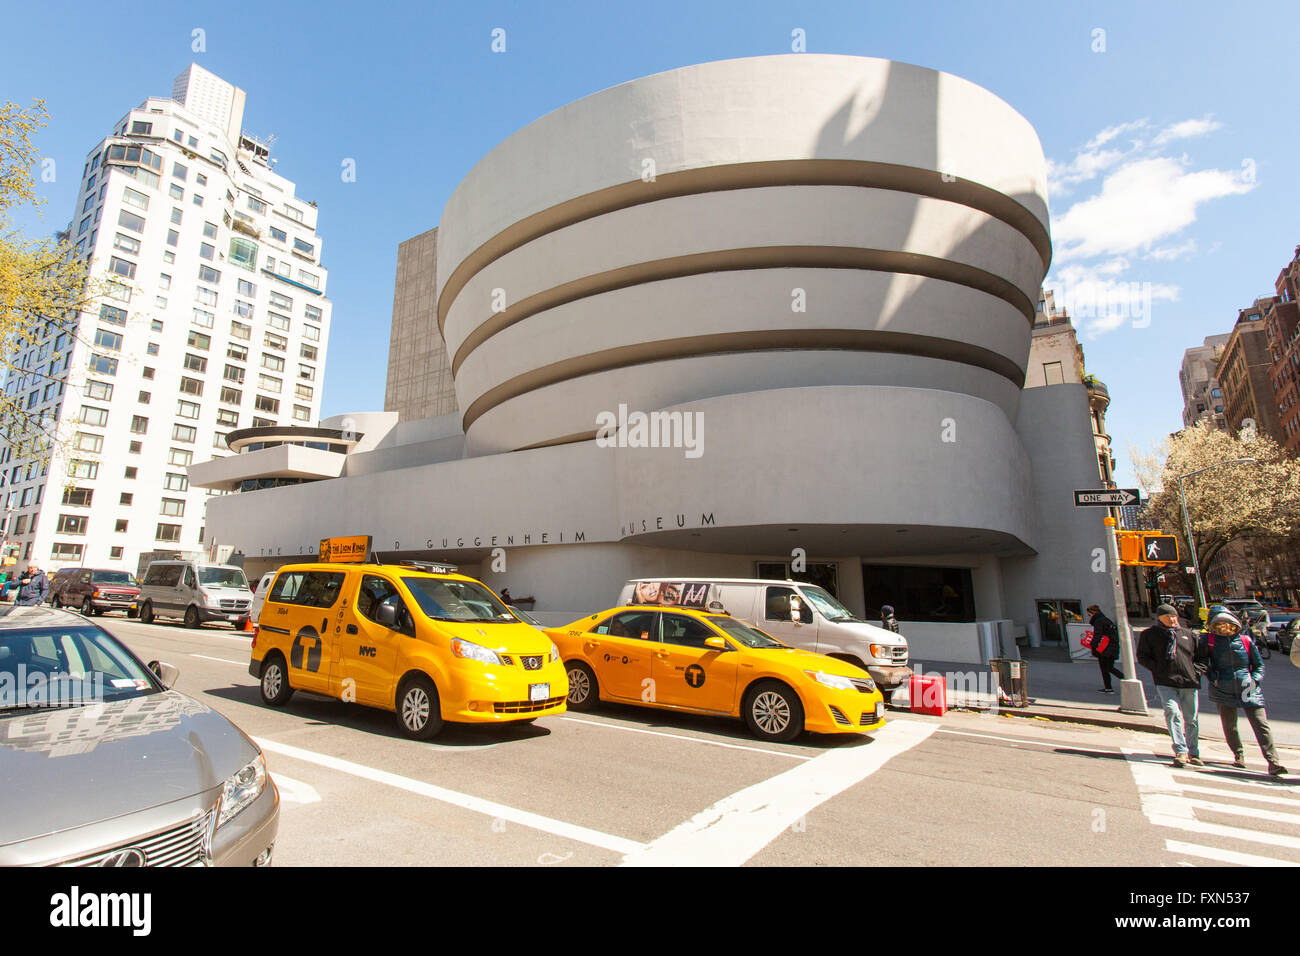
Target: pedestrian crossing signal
{"type": "Point", "coordinates": [1143, 548]}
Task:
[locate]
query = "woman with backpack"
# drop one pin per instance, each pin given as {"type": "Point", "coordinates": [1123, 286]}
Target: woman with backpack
{"type": "Point", "coordinates": [1105, 646]}
{"type": "Point", "coordinates": [1236, 671]}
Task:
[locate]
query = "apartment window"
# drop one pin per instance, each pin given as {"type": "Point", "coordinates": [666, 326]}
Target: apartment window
{"type": "Point", "coordinates": [72, 524]}
{"type": "Point", "coordinates": [209, 274]}
{"type": "Point", "coordinates": [103, 365]}
{"type": "Point", "coordinates": [191, 386]}
{"type": "Point", "coordinates": [105, 339]}
{"type": "Point", "coordinates": [117, 290]}
{"type": "Point", "coordinates": [85, 441]}
{"type": "Point", "coordinates": [122, 267]}
{"type": "Point", "coordinates": [292, 213]}
{"type": "Point", "coordinates": [277, 321]}
{"type": "Point", "coordinates": [168, 532]}
{"type": "Point", "coordinates": [186, 409]}
{"type": "Point", "coordinates": [234, 373]}
{"type": "Point", "coordinates": [164, 281]}
{"type": "Point", "coordinates": [205, 296]}
{"type": "Point", "coordinates": [301, 413]}
{"type": "Point", "coordinates": [243, 309]}
{"type": "Point", "coordinates": [227, 418]}
{"type": "Point", "coordinates": [83, 469]}
{"type": "Point", "coordinates": [262, 422]}
{"type": "Point", "coordinates": [307, 352]}
{"type": "Point", "coordinates": [180, 172]}
{"type": "Point", "coordinates": [78, 497]}
{"type": "Point", "coordinates": [264, 404]}
{"type": "Point", "coordinates": [174, 507]}
{"type": "Point", "coordinates": [121, 525]}
{"type": "Point", "coordinates": [134, 448]}
{"type": "Point", "coordinates": [281, 301]}
{"type": "Point", "coordinates": [133, 198]}
{"type": "Point", "coordinates": [27, 497]}
{"type": "Point", "coordinates": [130, 471]}
{"type": "Point", "coordinates": [175, 192]}
{"type": "Point", "coordinates": [147, 372]}
{"type": "Point", "coordinates": [273, 341]}
{"type": "Point", "coordinates": [246, 288]}
{"type": "Point", "coordinates": [126, 244]}
{"type": "Point", "coordinates": [270, 383]}
{"type": "Point", "coordinates": [311, 333]}
{"type": "Point", "coordinates": [1052, 373]}
{"type": "Point", "coordinates": [197, 340]}
{"type": "Point", "coordinates": [139, 425]}
{"type": "Point", "coordinates": [100, 390]}
{"type": "Point", "coordinates": [152, 348]}
{"type": "Point", "coordinates": [180, 457]}
{"type": "Point", "coordinates": [272, 362]}
{"type": "Point", "coordinates": [307, 372]}
{"type": "Point", "coordinates": [243, 253]}
{"type": "Point", "coordinates": [207, 251]}
{"type": "Point", "coordinates": [203, 318]}
{"type": "Point", "coordinates": [112, 315]}
{"type": "Point", "coordinates": [90, 415]}
{"type": "Point", "coordinates": [176, 216]}
{"type": "Point", "coordinates": [85, 224]}
{"type": "Point", "coordinates": [61, 551]}
{"type": "Point", "coordinates": [309, 278]}
{"type": "Point", "coordinates": [127, 220]}
{"type": "Point", "coordinates": [198, 200]}
{"type": "Point", "coordinates": [200, 179]}
{"type": "Point", "coordinates": [305, 247]}
{"type": "Point", "coordinates": [175, 482]}
{"type": "Point", "coordinates": [196, 363]}
{"type": "Point", "coordinates": [305, 392]}
{"type": "Point", "coordinates": [231, 396]}
{"type": "Point", "coordinates": [173, 237]}
{"type": "Point", "coordinates": [125, 498]}
{"type": "Point", "coordinates": [141, 128]}
{"type": "Point", "coordinates": [279, 235]}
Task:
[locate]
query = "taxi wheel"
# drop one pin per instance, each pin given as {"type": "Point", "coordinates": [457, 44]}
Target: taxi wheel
{"type": "Point", "coordinates": [275, 681]}
{"type": "Point", "coordinates": [418, 711]}
{"type": "Point", "coordinates": [192, 617]}
{"type": "Point", "coordinates": [146, 613]}
{"type": "Point", "coordinates": [773, 712]}
{"type": "Point", "coordinates": [584, 693]}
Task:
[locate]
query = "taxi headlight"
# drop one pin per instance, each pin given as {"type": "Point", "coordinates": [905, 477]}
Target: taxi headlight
{"type": "Point", "coordinates": [474, 652]}
{"type": "Point", "coordinates": [831, 680]}
{"type": "Point", "coordinates": [555, 653]}
{"type": "Point", "coordinates": [242, 789]}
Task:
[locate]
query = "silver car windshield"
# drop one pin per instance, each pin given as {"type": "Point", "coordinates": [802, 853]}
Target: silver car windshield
{"type": "Point", "coordinates": [62, 667]}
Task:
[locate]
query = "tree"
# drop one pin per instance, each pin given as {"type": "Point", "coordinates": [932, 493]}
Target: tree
{"type": "Point", "coordinates": [42, 286]}
{"type": "Point", "coordinates": [1224, 504]}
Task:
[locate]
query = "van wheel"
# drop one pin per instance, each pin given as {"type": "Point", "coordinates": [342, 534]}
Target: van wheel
{"type": "Point", "coordinates": [584, 692]}
{"type": "Point", "coordinates": [275, 681]}
{"type": "Point", "coordinates": [192, 617]}
{"type": "Point", "coordinates": [773, 712]}
{"type": "Point", "coordinates": [146, 613]}
{"type": "Point", "coordinates": [418, 711]}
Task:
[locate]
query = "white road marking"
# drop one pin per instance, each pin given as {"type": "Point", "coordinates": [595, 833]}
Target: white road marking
{"type": "Point", "coordinates": [1218, 829]}
{"type": "Point", "coordinates": [221, 659]}
{"type": "Point", "coordinates": [1253, 798]}
{"type": "Point", "coordinates": [295, 791]}
{"type": "Point", "coordinates": [1224, 856]}
{"type": "Point", "coordinates": [694, 740]}
{"type": "Point", "coordinates": [1264, 783]}
{"type": "Point", "coordinates": [1037, 743]}
{"type": "Point", "coordinates": [605, 841]}
{"type": "Point", "coordinates": [739, 826]}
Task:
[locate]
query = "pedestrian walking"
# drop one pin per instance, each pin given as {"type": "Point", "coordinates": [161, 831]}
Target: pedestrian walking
{"type": "Point", "coordinates": [887, 619]}
{"type": "Point", "coordinates": [32, 586]}
{"type": "Point", "coordinates": [1105, 646]}
{"type": "Point", "coordinates": [1177, 658]}
{"type": "Point", "coordinates": [1236, 673]}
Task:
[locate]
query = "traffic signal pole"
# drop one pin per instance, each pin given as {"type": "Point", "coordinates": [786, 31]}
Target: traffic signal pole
{"type": "Point", "coordinates": [1132, 695]}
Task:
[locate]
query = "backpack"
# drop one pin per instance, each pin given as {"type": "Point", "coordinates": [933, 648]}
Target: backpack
{"type": "Point", "coordinates": [1245, 640]}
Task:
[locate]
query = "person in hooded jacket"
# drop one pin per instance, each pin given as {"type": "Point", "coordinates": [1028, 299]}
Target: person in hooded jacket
{"type": "Point", "coordinates": [1236, 671]}
{"type": "Point", "coordinates": [1104, 628]}
{"type": "Point", "coordinates": [887, 619]}
{"type": "Point", "coordinates": [32, 586]}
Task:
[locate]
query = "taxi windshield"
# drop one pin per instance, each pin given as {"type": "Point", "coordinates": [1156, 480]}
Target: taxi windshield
{"type": "Point", "coordinates": [740, 631]}
{"type": "Point", "coordinates": [830, 608]}
{"type": "Point", "coordinates": [62, 667]}
{"type": "Point", "coordinates": [223, 577]}
{"type": "Point", "coordinates": [449, 600]}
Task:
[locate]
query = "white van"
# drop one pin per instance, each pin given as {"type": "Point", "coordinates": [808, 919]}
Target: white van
{"type": "Point", "coordinates": [802, 615]}
{"type": "Point", "coordinates": [195, 591]}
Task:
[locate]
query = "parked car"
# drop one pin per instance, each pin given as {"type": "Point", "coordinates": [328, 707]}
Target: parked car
{"type": "Point", "coordinates": [259, 595]}
{"type": "Point", "coordinates": [1286, 637]}
{"type": "Point", "coordinates": [94, 590]}
{"type": "Point", "coordinates": [80, 716]}
{"type": "Point", "coordinates": [195, 591]}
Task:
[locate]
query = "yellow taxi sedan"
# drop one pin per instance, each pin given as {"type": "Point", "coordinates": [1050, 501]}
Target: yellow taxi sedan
{"type": "Point", "coordinates": [707, 663]}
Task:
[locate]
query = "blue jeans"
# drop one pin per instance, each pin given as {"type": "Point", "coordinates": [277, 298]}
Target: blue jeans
{"type": "Point", "coordinates": [1180, 716]}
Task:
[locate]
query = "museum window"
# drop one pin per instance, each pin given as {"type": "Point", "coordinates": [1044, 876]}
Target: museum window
{"type": "Point", "coordinates": [918, 593]}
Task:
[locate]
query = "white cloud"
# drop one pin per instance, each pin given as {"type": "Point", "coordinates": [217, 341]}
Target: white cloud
{"type": "Point", "coordinates": [1100, 303]}
{"type": "Point", "coordinates": [1187, 129]}
{"type": "Point", "coordinates": [1140, 203]}
{"type": "Point", "coordinates": [1173, 253]}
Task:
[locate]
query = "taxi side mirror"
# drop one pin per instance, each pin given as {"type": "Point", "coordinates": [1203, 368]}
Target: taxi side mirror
{"type": "Point", "coordinates": [386, 614]}
{"type": "Point", "coordinates": [716, 643]}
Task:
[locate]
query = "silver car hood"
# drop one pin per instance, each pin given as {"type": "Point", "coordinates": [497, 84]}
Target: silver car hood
{"type": "Point", "coordinates": [67, 767]}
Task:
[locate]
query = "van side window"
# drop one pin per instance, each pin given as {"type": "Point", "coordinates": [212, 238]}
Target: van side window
{"type": "Point", "coordinates": [189, 576]}
{"type": "Point", "coordinates": [778, 605]}
{"type": "Point", "coordinates": [374, 592]}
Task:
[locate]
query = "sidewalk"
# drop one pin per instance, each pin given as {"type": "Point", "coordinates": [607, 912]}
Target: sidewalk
{"type": "Point", "coordinates": [1070, 691]}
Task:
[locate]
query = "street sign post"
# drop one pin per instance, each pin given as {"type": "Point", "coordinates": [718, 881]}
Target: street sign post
{"type": "Point", "coordinates": [1110, 498]}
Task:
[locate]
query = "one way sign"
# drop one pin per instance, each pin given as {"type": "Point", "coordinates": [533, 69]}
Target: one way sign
{"type": "Point", "coordinates": [1114, 498]}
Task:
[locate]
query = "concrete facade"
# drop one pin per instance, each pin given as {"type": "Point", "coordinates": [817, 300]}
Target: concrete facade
{"type": "Point", "coordinates": [820, 275]}
{"type": "Point", "coordinates": [419, 372]}
{"type": "Point", "coordinates": [1199, 382]}
{"type": "Point", "coordinates": [1244, 374]}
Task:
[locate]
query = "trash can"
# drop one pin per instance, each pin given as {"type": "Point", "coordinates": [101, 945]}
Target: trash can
{"type": "Point", "coordinates": [1011, 681]}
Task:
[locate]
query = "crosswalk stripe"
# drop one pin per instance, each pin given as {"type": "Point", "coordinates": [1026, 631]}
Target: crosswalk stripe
{"type": "Point", "coordinates": [1224, 856]}
{"type": "Point", "coordinates": [1201, 776]}
{"type": "Point", "coordinates": [1218, 829]}
{"type": "Point", "coordinates": [1232, 808]}
{"type": "Point", "coordinates": [1253, 798]}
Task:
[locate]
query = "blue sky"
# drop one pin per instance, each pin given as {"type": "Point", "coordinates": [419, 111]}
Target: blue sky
{"type": "Point", "coordinates": [1172, 149]}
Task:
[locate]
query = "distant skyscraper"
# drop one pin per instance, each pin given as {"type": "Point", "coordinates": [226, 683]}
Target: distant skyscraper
{"type": "Point", "coordinates": [1198, 379]}
{"type": "Point", "coordinates": [215, 319]}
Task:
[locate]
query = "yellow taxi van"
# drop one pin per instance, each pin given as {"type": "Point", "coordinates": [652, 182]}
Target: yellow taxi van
{"type": "Point", "coordinates": [430, 645]}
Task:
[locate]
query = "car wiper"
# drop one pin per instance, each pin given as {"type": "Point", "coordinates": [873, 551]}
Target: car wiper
{"type": "Point", "coordinates": [33, 708]}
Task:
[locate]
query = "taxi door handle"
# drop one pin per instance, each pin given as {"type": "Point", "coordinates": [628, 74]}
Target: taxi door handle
{"type": "Point", "coordinates": [593, 643]}
{"type": "Point", "coordinates": [352, 629]}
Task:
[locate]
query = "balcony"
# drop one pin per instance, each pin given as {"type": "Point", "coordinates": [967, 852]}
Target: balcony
{"type": "Point", "coordinates": [1098, 394]}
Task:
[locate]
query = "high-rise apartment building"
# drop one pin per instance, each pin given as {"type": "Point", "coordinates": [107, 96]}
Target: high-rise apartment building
{"type": "Point", "coordinates": [1198, 379]}
{"type": "Point", "coordinates": [1282, 326]}
{"type": "Point", "coordinates": [214, 319]}
{"type": "Point", "coordinates": [1244, 373]}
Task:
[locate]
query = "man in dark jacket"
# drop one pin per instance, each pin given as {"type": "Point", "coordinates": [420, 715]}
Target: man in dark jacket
{"type": "Point", "coordinates": [1177, 658]}
{"type": "Point", "coordinates": [1104, 632]}
{"type": "Point", "coordinates": [32, 586]}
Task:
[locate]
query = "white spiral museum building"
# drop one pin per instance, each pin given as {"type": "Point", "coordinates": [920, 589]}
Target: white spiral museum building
{"type": "Point", "coordinates": [829, 265]}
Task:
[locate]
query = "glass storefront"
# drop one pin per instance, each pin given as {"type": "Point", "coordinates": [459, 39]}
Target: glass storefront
{"type": "Point", "coordinates": [938, 595]}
